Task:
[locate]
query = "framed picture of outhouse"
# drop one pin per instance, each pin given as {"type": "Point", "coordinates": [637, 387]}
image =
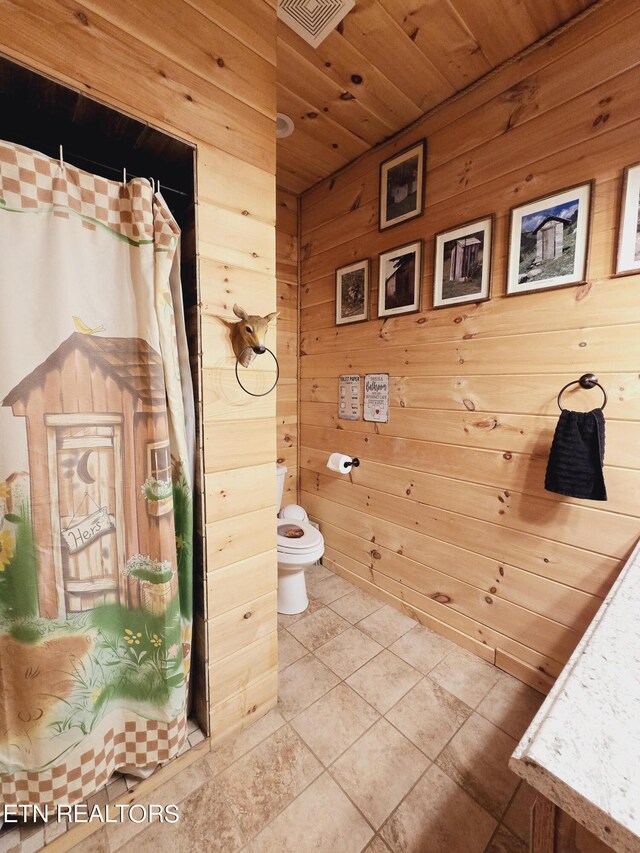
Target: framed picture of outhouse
{"type": "Point", "coordinates": [549, 241]}
{"type": "Point", "coordinates": [462, 263]}
{"type": "Point", "coordinates": [628, 259]}
{"type": "Point", "coordinates": [400, 277]}
{"type": "Point", "coordinates": [402, 179]}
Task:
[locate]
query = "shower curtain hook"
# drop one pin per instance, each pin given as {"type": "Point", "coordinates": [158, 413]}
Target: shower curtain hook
{"type": "Point", "coordinates": [61, 158]}
{"type": "Point", "coordinates": [157, 179]}
{"type": "Point", "coordinates": [152, 181]}
{"type": "Point", "coordinates": [124, 176]}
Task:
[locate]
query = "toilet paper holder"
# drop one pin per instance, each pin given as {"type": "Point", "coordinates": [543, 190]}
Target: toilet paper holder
{"type": "Point", "coordinates": [341, 463]}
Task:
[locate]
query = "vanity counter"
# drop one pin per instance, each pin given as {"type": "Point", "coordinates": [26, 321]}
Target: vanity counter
{"type": "Point", "coordinates": [582, 749]}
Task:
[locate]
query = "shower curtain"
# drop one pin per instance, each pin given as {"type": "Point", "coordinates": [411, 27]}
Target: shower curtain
{"type": "Point", "coordinates": [96, 467]}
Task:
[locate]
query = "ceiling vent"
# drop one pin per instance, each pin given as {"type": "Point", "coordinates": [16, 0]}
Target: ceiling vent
{"type": "Point", "coordinates": [313, 20]}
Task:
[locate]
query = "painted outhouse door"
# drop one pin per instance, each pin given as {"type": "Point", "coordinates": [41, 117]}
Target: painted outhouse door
{"type": "Point", "coordinates": [85, 462]}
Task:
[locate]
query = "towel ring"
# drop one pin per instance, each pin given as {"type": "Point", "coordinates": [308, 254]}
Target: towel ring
{"type": "Point", "coordinates": [246, 390]}
{"type": "Point", "coordinates": [587, 380]}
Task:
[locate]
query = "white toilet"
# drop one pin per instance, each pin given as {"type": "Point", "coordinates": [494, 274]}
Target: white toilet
{"type": "Point", "coordinates": [300, 545]}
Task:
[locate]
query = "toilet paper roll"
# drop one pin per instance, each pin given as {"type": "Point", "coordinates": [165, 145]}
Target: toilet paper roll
{"type": "Point", "coordinates": [340, 463]}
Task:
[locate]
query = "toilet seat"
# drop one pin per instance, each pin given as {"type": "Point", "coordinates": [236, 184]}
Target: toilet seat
{"type": "Point", "coordinates": [297, 552]}
{"type": "Point", "coordinates": [303, 539]}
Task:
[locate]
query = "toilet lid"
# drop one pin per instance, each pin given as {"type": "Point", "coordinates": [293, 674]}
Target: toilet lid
{"type": "Point", "coordinates": [297, 537]}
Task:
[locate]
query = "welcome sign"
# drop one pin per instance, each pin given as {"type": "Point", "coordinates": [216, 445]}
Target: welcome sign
{"type": "Point", "coordinates": [77, 536]}
{"type": "Point", "coordinates": [376, 397]}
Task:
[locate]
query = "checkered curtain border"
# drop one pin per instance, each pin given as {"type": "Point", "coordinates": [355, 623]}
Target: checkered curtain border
{"type": "Point", "coordinates": [141, 744]}
{"type": "Point", "coordinates": [30, 181]}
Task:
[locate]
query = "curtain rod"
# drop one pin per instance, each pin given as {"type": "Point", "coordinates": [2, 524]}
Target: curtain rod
{"type": "Point", "coordinates": [116, 171]}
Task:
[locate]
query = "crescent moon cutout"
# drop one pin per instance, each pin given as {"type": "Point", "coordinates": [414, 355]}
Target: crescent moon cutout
{"type": "Point", "coordinates": [83, 469]}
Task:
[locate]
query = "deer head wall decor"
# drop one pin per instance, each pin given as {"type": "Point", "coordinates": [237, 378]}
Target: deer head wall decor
{"type": "Point", "coordinates": [247, 336]}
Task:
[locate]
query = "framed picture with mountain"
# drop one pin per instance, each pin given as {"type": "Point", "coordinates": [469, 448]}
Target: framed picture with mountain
{"type": "Point", "coordinates": [402, 186]}
{"type": "Point", "coordinates": [628, 260]}
{"type": "Point", "coordinates": [549, 241]}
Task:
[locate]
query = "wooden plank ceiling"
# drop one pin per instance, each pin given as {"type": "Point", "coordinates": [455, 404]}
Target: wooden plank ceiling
{"type": "Point", "coordinates": [386, 64]}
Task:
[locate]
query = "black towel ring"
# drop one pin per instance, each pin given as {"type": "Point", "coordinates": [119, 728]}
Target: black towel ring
{"type": "Point", "coordinates": [246, 390]}
{"type": "Point", "coordinates": [587, 380]}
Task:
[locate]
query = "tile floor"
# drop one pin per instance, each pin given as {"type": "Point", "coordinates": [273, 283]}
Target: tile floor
{"type": "Point", "coordinates": [386, 737]}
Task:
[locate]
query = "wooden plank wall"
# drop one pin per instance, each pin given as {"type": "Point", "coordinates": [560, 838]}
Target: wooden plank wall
{"type": "Point", "coordinates": [447, 516]}
{"type": "Point", "coordinates": [205, 72]}
{"type": "Point", "coordinates": [287, 286]}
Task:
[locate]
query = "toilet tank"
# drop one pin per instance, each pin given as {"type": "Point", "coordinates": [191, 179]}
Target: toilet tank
{"type": "Point", "coordinates": [281, 471]}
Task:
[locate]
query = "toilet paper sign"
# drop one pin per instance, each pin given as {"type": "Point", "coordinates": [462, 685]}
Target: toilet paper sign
{"type": "Point", "coordinates": [376, 397]}
{"type": "Point", "coordinates": [349, 398]}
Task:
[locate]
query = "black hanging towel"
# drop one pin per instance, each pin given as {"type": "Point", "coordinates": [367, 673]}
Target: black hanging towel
{"type": "Point", "coordinates": [577, 455]}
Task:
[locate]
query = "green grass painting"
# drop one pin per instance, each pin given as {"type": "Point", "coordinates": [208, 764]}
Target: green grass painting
{"type": "Point", "coordinates": [18, 581]}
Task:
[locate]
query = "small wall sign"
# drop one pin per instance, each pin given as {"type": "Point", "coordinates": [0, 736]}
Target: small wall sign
{"type": "Point", "coordinates": [349, 398]}
{"type": "Point", "coordinates": [376, 397]}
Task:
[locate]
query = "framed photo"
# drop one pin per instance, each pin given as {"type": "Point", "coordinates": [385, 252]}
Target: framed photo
{"type": "Point", "coordinates": [402, 186]}
{"type": "Point", "coordinates": [462, 263]}
{"type": "Point", "coordinates": [400, 277]}
{"type": "Point", "coordinates": [352, 293]}
{"type": "Point", "coordinates": [628, 260]}
{"type": "Point", "coordinates": [549, 241]}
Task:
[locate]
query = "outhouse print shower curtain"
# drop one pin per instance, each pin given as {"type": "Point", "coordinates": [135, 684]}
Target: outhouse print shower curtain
{"type": "Point", "coordinates": [95, 481]}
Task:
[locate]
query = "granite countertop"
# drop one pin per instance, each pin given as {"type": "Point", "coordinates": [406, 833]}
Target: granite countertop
{"type": "Point", "coordinates": [582, 749]}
